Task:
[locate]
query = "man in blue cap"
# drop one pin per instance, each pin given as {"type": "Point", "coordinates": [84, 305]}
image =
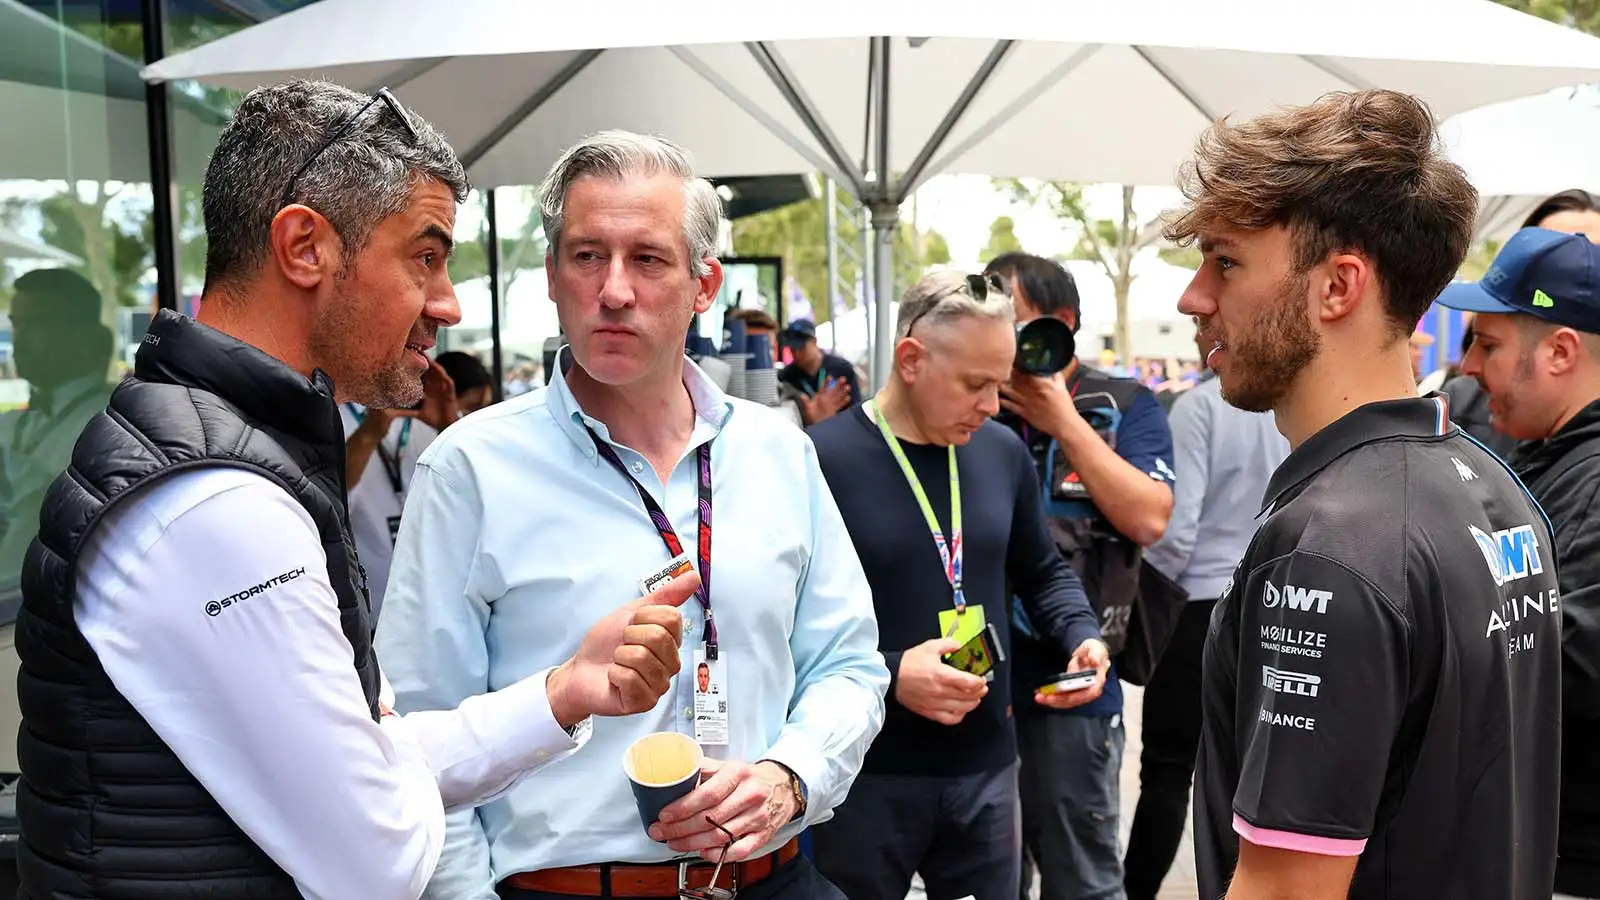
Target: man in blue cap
{"type": "Point", "coordinates": [1536, 351]}
{"type": "Point", "coordinates": [823, 384]}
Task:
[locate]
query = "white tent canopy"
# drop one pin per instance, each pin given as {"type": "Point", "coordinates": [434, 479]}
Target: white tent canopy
{"type": "Point", "coordinates": [1521, 151]}
{"type": "Point", "coordinates": [511, 84]}
{"type": "Point", "coordinates": [1083, 90]}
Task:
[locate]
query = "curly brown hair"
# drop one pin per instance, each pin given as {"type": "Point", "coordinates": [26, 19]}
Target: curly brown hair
{"type": "Point", "coordinates": [1355, 172]}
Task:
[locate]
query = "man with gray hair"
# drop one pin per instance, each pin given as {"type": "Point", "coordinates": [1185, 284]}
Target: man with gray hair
{"type": "Point", "coordinates": [945, 509]}
{"type": "Point", "coordinates": [202, 710]}
{"type": "Point", "coordinates": [526, 518]}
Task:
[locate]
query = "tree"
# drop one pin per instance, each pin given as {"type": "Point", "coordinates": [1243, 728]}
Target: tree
{"type": "Point", "coordinates": [1583, 15]}
{"type": "Point", "coordinates": [798, 234]}
{"type": "Point", "coordinates": [522, 250]}
{"type": "Point", "coordinates": [1111, 243]}
{"type": "Point", "coordinates": [1002, 239]}
{"type": "Point", "coordinates": [937, 250]}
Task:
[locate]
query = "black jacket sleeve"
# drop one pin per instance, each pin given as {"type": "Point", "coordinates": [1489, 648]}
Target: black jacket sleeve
{"type": "Point", "coordinates": [1576, 523]}
{"type": "Point", "coordinates": [1050, 591]}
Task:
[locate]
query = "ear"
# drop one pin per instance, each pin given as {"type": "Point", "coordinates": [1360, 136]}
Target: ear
{"type": "Point", "coordinates": [710, 284]}
{"type": "Point", "coordinates": [1070, 317]}
{"type": "Point", "coordinates": [1561, 351]}
{"type": "Point", "coordinates": [1340, 285]}
{"type": "Point", "coordinates": [908, 356]}
{"type": "Point", "coordinates": [304, 246]}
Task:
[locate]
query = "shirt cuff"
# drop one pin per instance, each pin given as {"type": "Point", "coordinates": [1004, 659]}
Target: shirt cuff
{"type": "Point", "coordinates": [1294, 841]}
{"type": "Point", "coordinates": [805, 763]}
{"type": "Point", "coordinates": [516, 726]}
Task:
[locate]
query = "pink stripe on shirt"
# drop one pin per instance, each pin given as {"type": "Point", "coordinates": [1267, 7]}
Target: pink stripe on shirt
{"type": "Point", "coordinates": [1300, 843]}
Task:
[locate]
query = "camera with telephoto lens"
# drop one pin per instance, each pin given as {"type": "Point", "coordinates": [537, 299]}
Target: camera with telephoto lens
{"type": "Point", "coordinates": [1045, 346]}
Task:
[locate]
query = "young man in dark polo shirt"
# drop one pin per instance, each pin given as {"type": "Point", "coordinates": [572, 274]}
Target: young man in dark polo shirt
{"type": "Point", "coordinates": [1381, 687]}
{"type": "Point", "coordinates": [1537, 355]}
{"type": "Point", "coordinates": [826, 384]}
{"type": "Point", "coordinates": [938, 791]}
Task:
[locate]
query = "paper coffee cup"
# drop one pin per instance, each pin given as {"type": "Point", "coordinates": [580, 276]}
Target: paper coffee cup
{"type": "Point", "coordinates": [661, 768]}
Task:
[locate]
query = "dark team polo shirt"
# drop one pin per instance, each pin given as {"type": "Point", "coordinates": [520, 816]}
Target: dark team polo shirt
{"type": "Point", "coordinates": [1382, 676]}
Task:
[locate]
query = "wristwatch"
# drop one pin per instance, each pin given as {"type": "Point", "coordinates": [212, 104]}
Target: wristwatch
{"type": "Point", "coordinates": [797, 786]}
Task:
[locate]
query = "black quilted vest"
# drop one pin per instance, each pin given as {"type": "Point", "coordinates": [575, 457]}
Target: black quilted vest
{"type": "Point", "coordinates": [107, 810]}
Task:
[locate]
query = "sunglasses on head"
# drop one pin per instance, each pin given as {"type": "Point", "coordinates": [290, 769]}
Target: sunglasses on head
{"type": "Point", "coordinates": [382, 95]}
{"type": "Point", "coordinates": [978, 287]}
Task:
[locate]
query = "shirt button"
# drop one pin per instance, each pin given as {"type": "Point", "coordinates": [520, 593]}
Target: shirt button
{"type": "Point", "coordinates": [638, 467]}
{"type": "Point", "coordinates": [688, 712]}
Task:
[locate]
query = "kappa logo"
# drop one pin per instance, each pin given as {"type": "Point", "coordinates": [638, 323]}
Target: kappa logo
{"type": "Point", "coordinates": [1511, 553]}
{"type": "Point", "coordinates": [1296, 598]}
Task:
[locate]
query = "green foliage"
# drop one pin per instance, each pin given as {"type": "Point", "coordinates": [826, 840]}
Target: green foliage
{"type": "Point", "coordinates": [521, 248]}
{"type": "Point", "coordinates": [798, 233]}
{"type": "Point", "coordinates": [1583, 15]}
{"type": "Point", "coordinates": [938, 250]}
{"type": "Point", "coordinates": [1002, 240]}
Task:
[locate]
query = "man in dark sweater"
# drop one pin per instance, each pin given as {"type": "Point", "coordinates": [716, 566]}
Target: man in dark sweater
{"type": "Point", "coordinates": [938, 792]}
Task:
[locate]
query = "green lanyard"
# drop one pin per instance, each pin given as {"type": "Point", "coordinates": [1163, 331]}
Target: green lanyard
{"type": "Point", "coordinates": [949, 552]}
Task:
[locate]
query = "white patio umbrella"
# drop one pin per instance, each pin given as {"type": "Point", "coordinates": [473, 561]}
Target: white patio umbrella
{"type": "Point", "coordinates": [883, 94]}
{"type": "Point", "coordinates": [1521, 151]}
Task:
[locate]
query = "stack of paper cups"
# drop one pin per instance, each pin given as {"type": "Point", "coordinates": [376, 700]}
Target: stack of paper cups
{"type": "Point", "coordinates": [736, 372]}
{"type": "Point", "coordinates": [760, 378]}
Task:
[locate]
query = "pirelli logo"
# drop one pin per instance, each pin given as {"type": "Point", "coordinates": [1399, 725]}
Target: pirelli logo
{"type": "Point", "coordinates": [1283, 681]}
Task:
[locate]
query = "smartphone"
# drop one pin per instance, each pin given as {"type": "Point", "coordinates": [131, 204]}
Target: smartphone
{"type": "Point", "coordinates": [1067, 682]}
{"type": "Point", "coordinates": [978, 655]}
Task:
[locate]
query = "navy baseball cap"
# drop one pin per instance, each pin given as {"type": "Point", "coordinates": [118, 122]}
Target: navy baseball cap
{"type": "Point", "coordinates": [1543, 273]}
{"type": "Point", "coordinates": [801, 330]}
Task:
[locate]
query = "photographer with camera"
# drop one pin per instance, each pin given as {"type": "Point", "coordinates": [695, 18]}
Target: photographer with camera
{"type": "Point", "coordinates": [943, 507]}
{"type": "Point", "coordinates": [1103, 452]}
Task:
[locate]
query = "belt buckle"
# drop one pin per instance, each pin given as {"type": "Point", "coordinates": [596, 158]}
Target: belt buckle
{"type": "Point", "coordinates": [710, 891]}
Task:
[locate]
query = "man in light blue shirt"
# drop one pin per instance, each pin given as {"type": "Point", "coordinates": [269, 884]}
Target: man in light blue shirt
{"type": "Point", "coordinates": [530, 519]}
{"type": "Point", "coordinates": [1224, 457]}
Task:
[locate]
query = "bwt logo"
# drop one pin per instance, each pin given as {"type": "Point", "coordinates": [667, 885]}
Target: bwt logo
{"type": "Point", "coordinates": [1284, 681]}
{"type": "Point", "coordinates": [1511, 553]}
{"type": "Point", "coordinates": [1295, 598]}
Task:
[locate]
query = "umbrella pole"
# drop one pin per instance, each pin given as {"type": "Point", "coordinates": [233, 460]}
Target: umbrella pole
{"type": "Point", "coordinates": [885, 218]}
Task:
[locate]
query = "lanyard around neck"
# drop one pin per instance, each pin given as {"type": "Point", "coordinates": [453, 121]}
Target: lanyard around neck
{"type": "Point", "coordinates": [391, 463]}
{"type": "Point", "coordinates": [949, 551]}
{"type": "Point", "coordinates": [669, 535]}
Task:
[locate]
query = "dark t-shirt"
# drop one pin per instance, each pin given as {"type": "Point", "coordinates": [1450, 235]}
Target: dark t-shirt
{"type": "Point", "coordinates": [1382, 675]}
{"type": "Point", "coordinates": [1005, 536]}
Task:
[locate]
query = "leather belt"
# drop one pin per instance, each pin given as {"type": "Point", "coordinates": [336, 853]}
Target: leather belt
{"type": "Point", "coordinates": [628, 880]}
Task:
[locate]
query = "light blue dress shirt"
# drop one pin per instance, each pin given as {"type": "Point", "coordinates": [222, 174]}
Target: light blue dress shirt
{"type": "Point", "coordinates": [518, 536]}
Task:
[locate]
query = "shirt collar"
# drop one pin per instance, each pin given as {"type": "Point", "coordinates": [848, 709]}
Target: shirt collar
{"type": "Point", "coordinates": [712, 407]}
{"type": "Point", "coordinates": [62, 395]}
{"type": "Point", "coordinates": [1423, 417]}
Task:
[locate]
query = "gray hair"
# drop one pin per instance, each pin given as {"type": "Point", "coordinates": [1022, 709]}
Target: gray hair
{"type": "Point", "coordinates": [942, 297]}
{"type": "Point", "coordinates": [616, 155]}
{"type": "Point", "coordinates": [363, 178]}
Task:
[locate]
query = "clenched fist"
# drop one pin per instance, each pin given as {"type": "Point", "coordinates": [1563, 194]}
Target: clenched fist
{"type": "Point", "coordinates": [626, 661]}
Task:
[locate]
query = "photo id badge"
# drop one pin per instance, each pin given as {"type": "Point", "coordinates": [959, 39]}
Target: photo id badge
{"type": "Point", "coordinates": [710, 699]}
{"type": "Point", "coordinates": [394, 530]}
{"type": "Point", "coordinates": [963, 626]}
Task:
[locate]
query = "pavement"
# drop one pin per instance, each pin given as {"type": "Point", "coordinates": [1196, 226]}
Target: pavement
{"type": "Point", "coordinates": [1180, 882]}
